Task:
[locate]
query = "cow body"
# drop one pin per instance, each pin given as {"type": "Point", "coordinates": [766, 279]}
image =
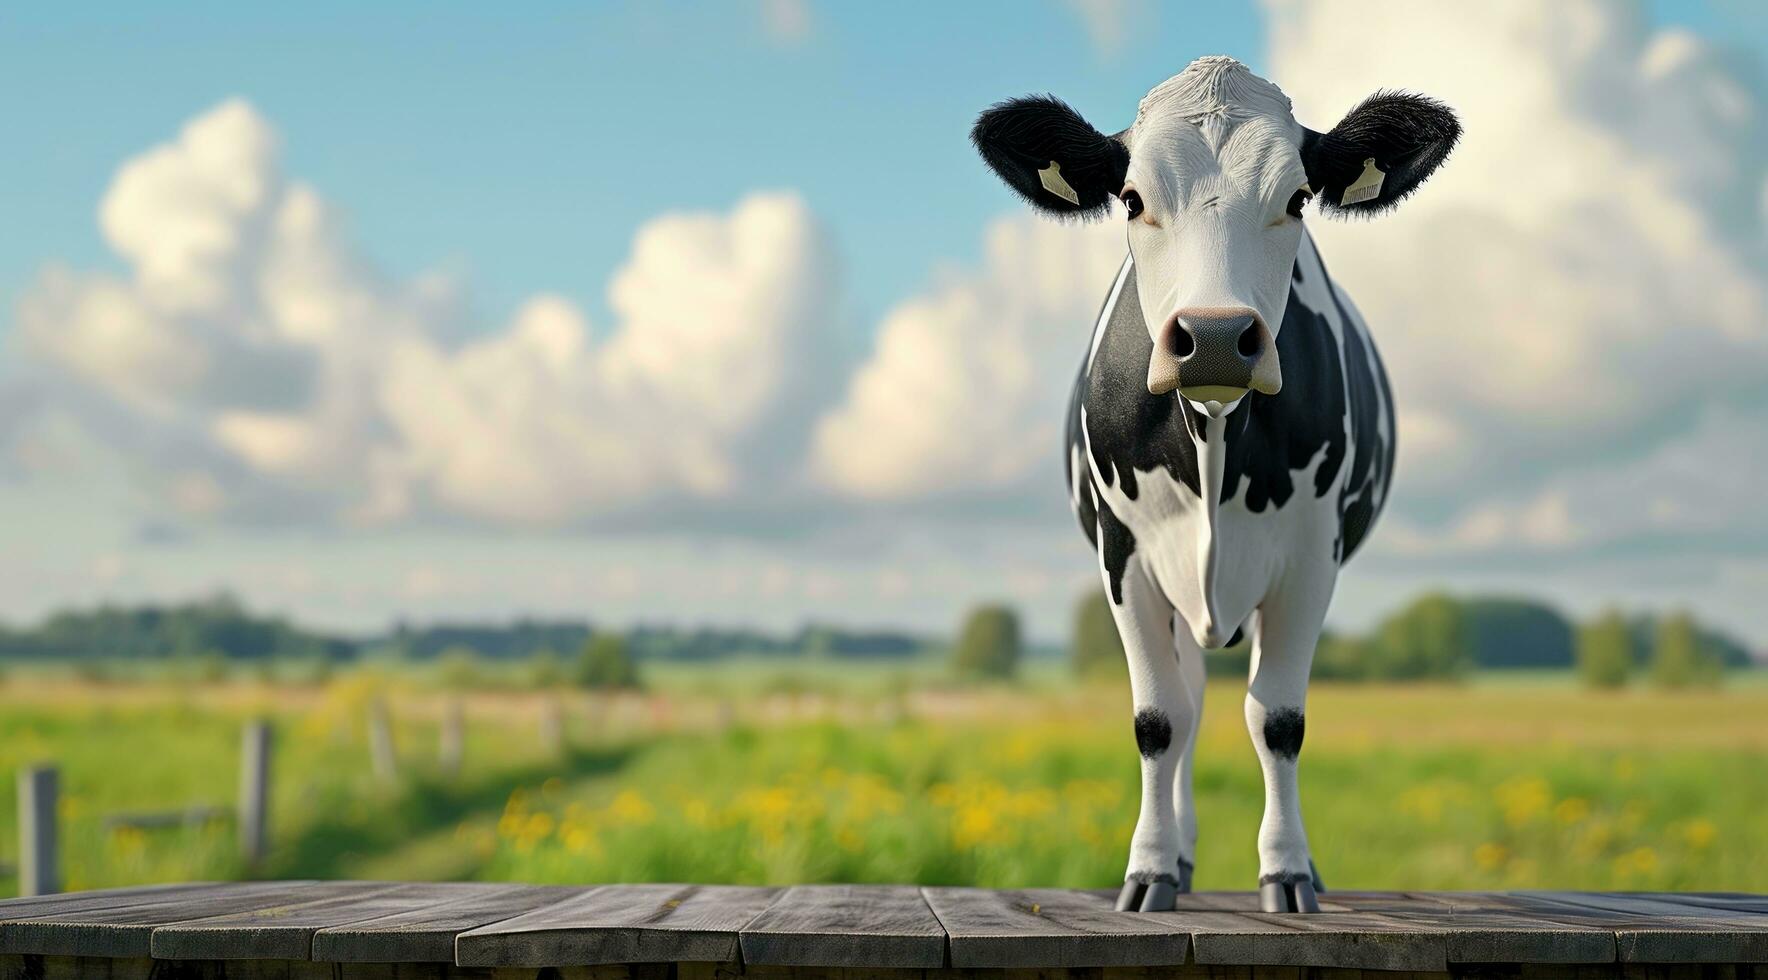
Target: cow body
{"type": "Point", "coordinates": [1231, 435]}
{"type": "Point", "coordinates": [1295, 478]}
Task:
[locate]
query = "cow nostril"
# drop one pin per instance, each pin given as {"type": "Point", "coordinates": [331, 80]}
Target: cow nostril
{"type": "Point", "coordinates": [1181, 341]}
{"type": "Point", "coordinates": [1249, 341]}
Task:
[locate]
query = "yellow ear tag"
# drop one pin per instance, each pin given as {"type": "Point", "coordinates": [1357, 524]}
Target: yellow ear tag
{"type": "Point", "coordinates": [1367, 186]}
{"type": "Point", "coordinates": [1051, 176]}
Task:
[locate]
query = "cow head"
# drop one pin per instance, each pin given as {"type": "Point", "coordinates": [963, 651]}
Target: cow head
{"type": "Point", "coordinates": [1214, 175]}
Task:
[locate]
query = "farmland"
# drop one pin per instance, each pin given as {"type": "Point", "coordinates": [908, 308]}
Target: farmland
{"type": "Point", "coordinates": [734, 775]}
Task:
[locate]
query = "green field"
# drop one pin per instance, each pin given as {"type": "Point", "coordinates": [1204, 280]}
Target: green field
{"type": "Point", "coordinates": [748, 776]}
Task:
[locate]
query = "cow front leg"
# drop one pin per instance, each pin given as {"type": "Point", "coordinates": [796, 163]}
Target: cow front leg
{"type": "Point", "coordinates": [1160, 854]}
{"type": "Point", "coordinates": [1276, 716]}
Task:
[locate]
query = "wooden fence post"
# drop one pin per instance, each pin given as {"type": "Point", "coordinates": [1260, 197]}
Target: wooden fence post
{"type": "Point", "coordinates": [452, 742]}
{"type": "Point", "coordinates": [37, 792]}
{"type": "Point", "coordinates": [254, 792]}
{"type": "Point", "coordinates": [380, 742]}
{"type": "Point", "coordinates": [552, 727]}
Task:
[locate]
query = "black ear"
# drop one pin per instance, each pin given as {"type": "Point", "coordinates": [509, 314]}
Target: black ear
{"type": "Point", "coordinates": [1406, 135]}
{"type": "Point", "coordinates": [1022, 137]}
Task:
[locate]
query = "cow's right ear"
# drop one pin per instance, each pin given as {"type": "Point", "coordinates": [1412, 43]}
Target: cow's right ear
{"type": "Point", "coordinates": [1052, 157]}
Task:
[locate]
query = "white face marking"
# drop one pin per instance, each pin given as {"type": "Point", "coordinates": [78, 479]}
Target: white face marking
{"type": "Point", "coordinates": [1215, 158]}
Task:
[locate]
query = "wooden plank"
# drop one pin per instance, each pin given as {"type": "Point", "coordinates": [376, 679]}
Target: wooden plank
{"type": "Point", "coordinates": [1653, 928]}
{"type": "Point", "coordinates": [621, 924]}
{"type": "Point", "coordinates": [847, 925]}
{"type": "Point", "coordinates": [426, 935]}
{"type": "Point", "coordinates": [120, 923]}
{"type": "Point", "coordinates": [1227, 930]}
{"type": "Point", "coordinates": [14, 908]}
{"type": "Point", "coordinates": [1486, 927]}
{"type": "Point", "coordinates": [1727, 901]}
{"type": "Point", "coordinates": [285, 931]}
{"type": "Point", "coordinates": [1047, 927]}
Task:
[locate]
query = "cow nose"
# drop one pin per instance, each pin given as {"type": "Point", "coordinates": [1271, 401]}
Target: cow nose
{"type": "Point", "coordinates": [1211, 348]}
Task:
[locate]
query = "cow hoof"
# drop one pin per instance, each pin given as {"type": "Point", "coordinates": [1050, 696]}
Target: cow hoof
{"type": "Point", "coordinates": [1314, 873]}
{"type": "Point", "coordinates": [1288, 895]}
{"type": "Point", "coordinates": [1157, 894]}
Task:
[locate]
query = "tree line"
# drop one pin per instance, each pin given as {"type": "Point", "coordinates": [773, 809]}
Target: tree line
{"type": "Point", "coordinates": [1434, 637]}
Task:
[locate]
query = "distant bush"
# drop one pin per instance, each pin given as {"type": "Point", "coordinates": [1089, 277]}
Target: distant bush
{"type": "Point", "coordinates": [457, 669]}
{"type": "Point", "coordinates": [1096, 650]}
{"type": "Point", "coordinates": [544, 671]}
{"type": "Point", "coordinates": [1679, 658]}
{"type": "Point", "coordinates": [1605, 651]}
{"type": "Point", "coordinates": [1427, 639]}
{"type": "Point", "coordinates": [989, 645]}
{"type": "Point", "coordinates": [606, 664]}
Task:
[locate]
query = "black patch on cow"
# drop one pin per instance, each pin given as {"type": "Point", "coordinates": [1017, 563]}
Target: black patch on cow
{"type": "Point", "coordinates": [1284, 729]}
{"type": "Point", "coordinates": [1150, 877]}
{"type": "Point", "coordinates": [1153, 732]}
{"type": "Point", "coordinates": [1019, 137]}
{"type": "Point", "coordinates": [1269, 437]}
{"type": "Point", "coordinates": [1239, 634]}
{"type": "Point", "coordinates": [1286, 878]}
{"type": "Point", "coordinates": [1407, 135]}
{"type": "Point", "coordinates": [1372, 462]}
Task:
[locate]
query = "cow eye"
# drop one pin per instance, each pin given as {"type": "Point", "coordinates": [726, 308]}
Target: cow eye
{"type": "Point", "coordinates": [1133, 203]}
{"type": "Point", "coordinates": [1299, 200]}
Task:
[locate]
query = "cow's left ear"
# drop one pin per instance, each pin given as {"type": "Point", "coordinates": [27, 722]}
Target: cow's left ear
{"type": "Point", "coordinates": [1379, 153]}
{"type": "Point", "coordinates": [1054, 158]}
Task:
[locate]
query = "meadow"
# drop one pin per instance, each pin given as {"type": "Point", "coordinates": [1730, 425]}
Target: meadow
{"type": "Point", "coordinates": [739, 774]}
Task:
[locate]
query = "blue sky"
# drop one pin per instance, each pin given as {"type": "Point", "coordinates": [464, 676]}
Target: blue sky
{"type": "Point", "coordinates": [520, 154]}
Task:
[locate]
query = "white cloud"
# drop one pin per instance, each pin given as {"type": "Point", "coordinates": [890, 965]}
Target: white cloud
{"type": "Point", "coordinates": [1701, 485]}
{"type": "Point", "coordinates": [966, 386]}
{"type": "Point", "coordinates": [282, 367]}
{"type": "Point", "coordinates": [1588, 261]}
{"type": "Point", "coordinates": [787, 21]}
{"type": "Point", "coordinates": [1109, 23]}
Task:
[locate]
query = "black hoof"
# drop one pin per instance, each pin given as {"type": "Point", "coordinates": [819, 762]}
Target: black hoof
{"type": "Point", "coordinates": [1157, 894]}
{"type": "Point", "coordinates": [1288, 894]}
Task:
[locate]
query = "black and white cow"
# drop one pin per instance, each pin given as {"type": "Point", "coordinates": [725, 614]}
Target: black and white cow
{"type": "Point", "coordinates": [1231, 435]}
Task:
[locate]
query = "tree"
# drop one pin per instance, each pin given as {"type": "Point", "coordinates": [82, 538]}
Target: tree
{"type": "Point", "coordinates": [1340, 657]}
{"type": "Point", "coordinates": [605, 663]}
{"type": "Point", "coordinates": [989, 644]}
{"type": "Point", "coordinates": [1428, 638]}
{"type": "Point", "coordinates": [1096, 649]}
{"type": "Point", "coordinates": [1605, 651]}
{"type": "Point", "coordinates": [544, 670]}
{"type": "Point", "coordinates": [1678, 657]}
{"type": "Point", "coordinates": [457, 669]}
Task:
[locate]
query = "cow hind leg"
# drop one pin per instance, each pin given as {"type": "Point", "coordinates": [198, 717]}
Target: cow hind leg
{"type": "Point", "coordinates": [1160, 855]}
{"type": "Point", "coordinates": [1276, 717]}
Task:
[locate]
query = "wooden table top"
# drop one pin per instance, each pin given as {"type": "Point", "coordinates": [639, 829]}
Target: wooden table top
{"type": "Point", "coordinates": [876, 926]}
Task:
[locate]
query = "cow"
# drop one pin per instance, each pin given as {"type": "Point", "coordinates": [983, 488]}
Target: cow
{"type": "Point", "coordinates": [1230, 437]}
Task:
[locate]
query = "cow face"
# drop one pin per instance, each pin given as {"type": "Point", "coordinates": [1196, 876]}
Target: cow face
{"type": "Point", "coordinates": [1214, 176]}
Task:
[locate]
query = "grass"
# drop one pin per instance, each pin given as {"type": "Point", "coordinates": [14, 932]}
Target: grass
{"type": "Point", "coordinates": [1507, 783]}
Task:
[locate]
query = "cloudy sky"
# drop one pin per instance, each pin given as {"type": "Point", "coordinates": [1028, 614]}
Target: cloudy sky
{"type": "Point", "coordinates": [707, 313]}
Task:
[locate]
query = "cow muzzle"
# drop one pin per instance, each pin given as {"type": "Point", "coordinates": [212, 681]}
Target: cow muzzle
{"type": "Point", "coordinates": [1214, 355]}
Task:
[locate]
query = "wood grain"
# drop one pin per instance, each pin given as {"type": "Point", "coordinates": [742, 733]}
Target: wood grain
{"type": "Point", "coordinates": [426, 934]}
{"type": "Point", "coordinates": [285, 931]}
{"type": "Point", "coordinates": [621, 924]}
{"type": "Point", "coordinates": [1049, 927]}
{"type": "Point", "coordinates": [121, 923]}
{"type": "Point", "coordinates": [847, 926]}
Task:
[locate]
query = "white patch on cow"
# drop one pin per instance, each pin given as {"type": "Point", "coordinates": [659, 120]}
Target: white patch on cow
{"type": "Point", "coordinates": [1214, 155]}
